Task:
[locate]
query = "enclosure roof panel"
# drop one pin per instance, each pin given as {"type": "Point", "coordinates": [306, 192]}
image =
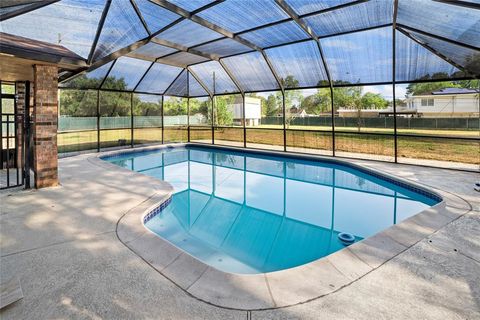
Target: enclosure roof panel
{"type": "Point", "coordinates": [233, 46]}
{"type": "Point", "coordinates": [191, 5]}
{"type": "Point", "coordinates": [155, 16]}
{"type": "Point", "coordinates": [446, 20]}
{"type": "Point", "coordinates": [122, 27]}
{"type": "Point", "coordinates": [361, 16]}
{"type": "Point", "coordinates": [152, 51]}
{"type": "Point", "coordinates": [467, 58]}
{"type": "Point", "coordinates": [302, 7]}
{"type": "Point", "coordinates": [277, 34]}
{"type": "Point", "coordinates": [360, 57]}
{"type": "Point", "coordinates": [158, 78]}
{"type": "Point", "coordinates": [195, 89]}
{"type": "Point", "coordinates": [89, 80]}
{"type": "Point", "coordinates": [125, 73]}
{"type": "Point", "coordinates": [223, 47]}
{"type": "Point", "coordinates": [188, 33]}
{"type": "Point", "coordinates": [182, 59]}
{"type": "Point", "coordinates": [236, 16]}
{"type": "Point", "coordinates": [214, 76]}
{"type": "Point", "coordinates": [298, 65]}
{"type": "Point", "coordinates": [179, 87]}
{"type": "Point", "coordinates": [252, 72]}
{"type": "Point", "coordinates": [69, 23]}
{"type": "Point", "coordinates": [416, 62]}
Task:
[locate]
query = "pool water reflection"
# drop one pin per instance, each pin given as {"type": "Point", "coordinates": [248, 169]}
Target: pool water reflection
{"type": "Point", "coordinates": [245, 213]}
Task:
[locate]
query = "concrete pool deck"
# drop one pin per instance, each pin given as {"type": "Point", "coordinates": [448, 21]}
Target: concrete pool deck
{"type": "Point", "coordinates": [63, 246]}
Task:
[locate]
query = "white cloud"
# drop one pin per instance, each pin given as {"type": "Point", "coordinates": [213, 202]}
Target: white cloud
{"type": "Point", "coordinates": [401, 91]}
{"type": "Point", "coordinates": [385, 91]}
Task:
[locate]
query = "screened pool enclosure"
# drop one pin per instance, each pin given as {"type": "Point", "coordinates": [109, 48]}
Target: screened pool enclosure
{"type": "Point", "coordinates": [391, 80]}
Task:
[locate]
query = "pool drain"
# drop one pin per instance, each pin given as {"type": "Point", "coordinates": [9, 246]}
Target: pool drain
{"type": "Point", "coordinates": [346, 238]}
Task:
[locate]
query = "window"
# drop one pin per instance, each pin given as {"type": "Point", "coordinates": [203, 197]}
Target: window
{"type": "Point", "coordinates": [427, 103]}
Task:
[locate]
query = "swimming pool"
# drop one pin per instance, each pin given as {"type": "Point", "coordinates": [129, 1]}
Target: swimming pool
{"type": "Point", "coordinates": [249, 213]}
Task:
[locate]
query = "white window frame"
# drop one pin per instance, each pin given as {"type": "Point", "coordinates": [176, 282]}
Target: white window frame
{"type": "Point", "coordinates": [427, 102]}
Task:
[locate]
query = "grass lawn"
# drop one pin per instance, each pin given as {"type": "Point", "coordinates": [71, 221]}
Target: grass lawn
{"type": "Point", "coordinates": [443, 132]}
{"type": "Point", "coordinates": [455, 150]}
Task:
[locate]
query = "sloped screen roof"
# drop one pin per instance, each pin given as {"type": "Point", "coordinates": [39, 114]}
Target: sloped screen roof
{"type": "Point", "coordinates": [204, 47]}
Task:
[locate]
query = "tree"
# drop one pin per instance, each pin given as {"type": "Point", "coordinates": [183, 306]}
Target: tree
{"type": "Point", "coordinates": [270, 106]}
{"type": "Point", "coordinates": [470, 84]}
{"type": "Point", "coordinates": [291, 96]}
{"type": "Point", "coordinates": [203, 107]}
{"type": "Point", "coordinates": [78, 103]}
{"type": "Point", "coordinates": [175, 106]}
{"type": "Point", "coordinates": [83, 103]}
{"type": "Point", "coordinates": [143, 107]}
{"type": "Point", "coordinates": [200, 106]}
{"type": "Point", "coordinates": [400, 102]}
{"type": "Point", "coordinates": [317, 103]}
{"type": "Point", "coordinates": [224, 116]}
{"type": "Point", "coordinates": [115, 104]}
{"type": "Point", "coordinates": [373, 101]}
{"type": "Point", "coordinates": [347, 97]}
{"type": "Point", "coordinates": [472, 64]}
{"type": "Point", "coordinates": [428, 87]}
{"type": "Point", "coordinates": [83, 82]}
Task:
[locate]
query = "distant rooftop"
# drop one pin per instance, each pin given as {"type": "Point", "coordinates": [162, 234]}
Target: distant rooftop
{"type": "Point", "coordinates": [455, 91]}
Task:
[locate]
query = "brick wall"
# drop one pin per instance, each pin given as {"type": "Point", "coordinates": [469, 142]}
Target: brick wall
{"type": "Point", "coordinates": [45, 118]}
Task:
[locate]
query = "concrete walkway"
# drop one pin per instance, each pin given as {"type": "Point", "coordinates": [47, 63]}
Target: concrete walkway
{"type": "Point", "coordinates": [61, 244]}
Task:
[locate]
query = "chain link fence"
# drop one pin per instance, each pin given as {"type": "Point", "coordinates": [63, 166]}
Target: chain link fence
{"type": "Point", "coordinates": [386, 122]}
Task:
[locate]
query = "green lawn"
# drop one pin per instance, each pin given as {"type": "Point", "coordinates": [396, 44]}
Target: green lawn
{"type": "Point", "coordinates": [409, 147]}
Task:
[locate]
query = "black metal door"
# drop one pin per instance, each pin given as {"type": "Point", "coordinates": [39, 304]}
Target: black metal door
{"type": "Point", "coordinates": [11, 145]}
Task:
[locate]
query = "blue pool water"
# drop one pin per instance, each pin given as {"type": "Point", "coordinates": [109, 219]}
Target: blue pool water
{"type": "Point", "coordinates": [248, 213]}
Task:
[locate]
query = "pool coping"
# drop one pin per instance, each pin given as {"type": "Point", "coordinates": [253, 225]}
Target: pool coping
{"type": "Point", "coordinates": [280, 288]}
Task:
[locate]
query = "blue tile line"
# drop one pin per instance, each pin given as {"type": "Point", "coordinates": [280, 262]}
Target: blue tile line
{"type": "Point", "coordinates": [156, 211]}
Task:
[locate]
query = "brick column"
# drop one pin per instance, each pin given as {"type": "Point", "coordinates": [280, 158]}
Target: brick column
{"type": "Point", "coordinates": [45, 118]}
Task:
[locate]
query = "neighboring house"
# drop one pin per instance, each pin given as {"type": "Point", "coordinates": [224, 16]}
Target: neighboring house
{"type": "Point", "coordinates": [459, 102]}
{"type": "Point", "coordinates": [253, 111]}
{"type": "Point", "coordinates": [298, 112]}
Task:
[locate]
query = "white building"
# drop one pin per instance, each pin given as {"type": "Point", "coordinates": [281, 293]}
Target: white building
{"type": "Point", "coordinates": [297, 112]}
{"type": "Point", "coordinates": [253, 111]}
{"type": "Point", "coordinates": [459, 102]}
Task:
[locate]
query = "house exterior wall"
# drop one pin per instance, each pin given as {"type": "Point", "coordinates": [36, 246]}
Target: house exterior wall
{"type": "Point", "coordinates": [446, 104]}
{"type": "Point", "coordinates": [253, 109]}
